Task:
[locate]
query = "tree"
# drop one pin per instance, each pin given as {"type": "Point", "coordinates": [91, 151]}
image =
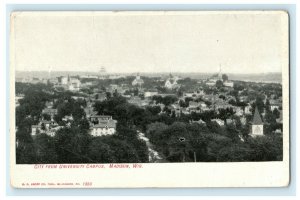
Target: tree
{"type": "Point", "coordinates": [25, 150]}
{"type": "Point", "coordinates": [182, 103]}
{"type": "Point", "coordinates": [108, 95]}
{"type": "Point", "coordinates": [187, 101]}
{"type": "Point", "coordinates": [276, 113]}
{"type": "Point", "coordinates": [169, 99]}
{"type": "Point", "coordinates": [43, 127]}
{"type": "Point", "coordinates": [71, 145]}
{"type": "Point", "coordinates": [267, 148]}
{"type": "Point", "coordinates": [219, 84]}
{"type": "Point", "coordinates": [46, 117]}
{"type": "Point", "coordinates": [235, 153]}
{"type": "Point", "coordinates": [232, 102]}
{"type": "Point", "coordinates": [45, 149]}
{"type": "Point", "coordinates": [224, 77]}
{"type": "Point", "coordinates": [100, 152]}
{"type": "Point", "coordinates": [154, 131]}
{"type": "Point", "coordinates": [154, 110]}
{"type": "Point", "coordinates": [259, 104]}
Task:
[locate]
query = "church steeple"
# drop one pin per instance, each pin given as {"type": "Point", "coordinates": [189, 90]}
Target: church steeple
{"type": "Point", "coordinates": [257, 124]}
{"type": "Point", "coordinates": [256, 118]}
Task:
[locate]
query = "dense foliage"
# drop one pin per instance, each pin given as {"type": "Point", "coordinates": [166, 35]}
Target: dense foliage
{"type": "Point", "coordinates": [177, 138]}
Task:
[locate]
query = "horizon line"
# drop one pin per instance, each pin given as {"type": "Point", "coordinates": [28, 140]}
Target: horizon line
{"type": "Point", "coordinates": [274, 72]}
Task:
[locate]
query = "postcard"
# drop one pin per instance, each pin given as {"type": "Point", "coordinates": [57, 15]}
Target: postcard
{"type": "Point", "coordinates": [139, 99]}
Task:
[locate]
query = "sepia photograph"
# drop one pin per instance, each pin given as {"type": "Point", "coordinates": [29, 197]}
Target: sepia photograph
{"type": "Point", "coordinates": [128, 89]}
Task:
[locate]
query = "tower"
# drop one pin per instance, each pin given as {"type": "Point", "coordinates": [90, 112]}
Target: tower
{"type": "Point", "coordinates": [220, 72]}
{"type": "Point", "coordinates": [257, 125]}
{"type": "Point", "coordinates": [138, 81]}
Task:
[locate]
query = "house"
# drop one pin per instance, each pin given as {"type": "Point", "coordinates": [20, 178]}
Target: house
{"type": "Point", "coordinates": [87, 84]}
{"type": "Point", "coordinates": [150, 93]}
{"type": "Point", "coordinates": [137, 81]}
{"type": "Point", "coordinates": [185, 111]}
{"type": "Point", "coordinates": [49, 104]}
{"type": "Point", "coordinates": [78, 97]}
{"type": "Point", "coordinates": [238, 111]}
{"type": "Point", "coordinates": [97, 118]}
{"type": "Point", "coordinates": [218, 121]}
{"type": "Point", "coordinates": [230, 121]}
{"type": "Point", "coordinates": [17, 99]}
{"type": "Point", "coordinates": [278, 131]}
{"type": "Point", "coordinates": [190, 94]}
{"type": "Point", "coordinates": [248, 109]}
{"type": "Point", "coordinates": [193, 104]}
{"type": "Point", "coordinates": [214, 78]}
{"type": "Point", "coordinates": [275, 104]}
{"type": "Point", "coordinates": [222, 105]}
{"type": "Point", "coordinates": [74, 84]}
{"type": "Point", "coordinates": [100, 96]}
{"type": "Point", "coordinates": [68, 118]}
{"type": "Point", "coordinates": [102, 125]}
{"type": "Point", "coordinates": [200, 121]}
{"type": "Point", "coordinates": [136, 101]}
{"type": "Point", "coordinates": [44, 127]}
{"type": "Point", "coordinates": [210, 97]}
{"type": "Point", "coordinates": [279, 120]}
{"type": "Point", "coordinates": [69, 83]}
{"type": "Point", "coordinates": [257, 128]}
{"type": "Point", "coordinates": [243, 98]}
{"type": "Point", "coordinates": [243, 120]}
{"type": "Point", "coordinates": [50, 111]}
{"type": "Point", "coordinates": [228, 83]}
{"type": "Point", "coordinates": [146, 102]}
{"type": "Point", "coordinates": [35, 129]}
{"type": "Point", "coordinates": [112, 88]}
{"type": "Point", "coordinates": [211, 83]}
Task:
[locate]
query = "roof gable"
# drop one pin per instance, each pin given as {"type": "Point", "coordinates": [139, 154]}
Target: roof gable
{"type": "Point", "coordinates": [256, 118]}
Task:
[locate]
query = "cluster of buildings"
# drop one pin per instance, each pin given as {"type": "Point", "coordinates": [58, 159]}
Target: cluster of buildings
{"type": "Point", "coordinates": [100, 125]}
{"type": "Point", "coordinates": [212, 81]}
{"type": "Point", "coordinates": [199, 102]}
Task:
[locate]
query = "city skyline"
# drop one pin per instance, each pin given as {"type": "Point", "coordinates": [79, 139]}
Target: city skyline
{"type": "Point", "coordinates": [130, 42]}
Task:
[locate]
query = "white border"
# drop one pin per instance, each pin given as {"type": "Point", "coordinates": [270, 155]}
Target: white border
{"type": "Point", "coordinates": [162, 175]}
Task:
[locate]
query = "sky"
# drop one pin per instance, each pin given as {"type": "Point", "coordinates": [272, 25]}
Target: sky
{"type": "Point", "coordinates": [128, 42]}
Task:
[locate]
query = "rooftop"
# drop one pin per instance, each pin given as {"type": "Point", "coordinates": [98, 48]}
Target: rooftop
{"type": "Point", "coordinates": [256, 118]}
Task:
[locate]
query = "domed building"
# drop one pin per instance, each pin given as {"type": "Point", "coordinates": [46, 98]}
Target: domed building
{"type": "Point", "coordinates": [171, 82]}
{"type": "Point", "coordinates": [137, 81]}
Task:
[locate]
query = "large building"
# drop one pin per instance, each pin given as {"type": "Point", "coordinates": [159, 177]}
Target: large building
{"type": "Point", "coordinates": [219, 77]}
{"type": "Point", "coordinates": [171, 82]}
{"type": "Point", "coordinates": [257, 125]}
{"type": "Point", "coordinates": [44, 127]}
{"type": "Point", "coordinates": [69, 83]}
{"type": "Point", "coordinates": [50, 111]}
{"type": "Point", "coordinates": [151, 93]}
{"type": "Point", "coordinates": [137, 81]}
{"type": "Point", "coordinates": [102, 125]}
